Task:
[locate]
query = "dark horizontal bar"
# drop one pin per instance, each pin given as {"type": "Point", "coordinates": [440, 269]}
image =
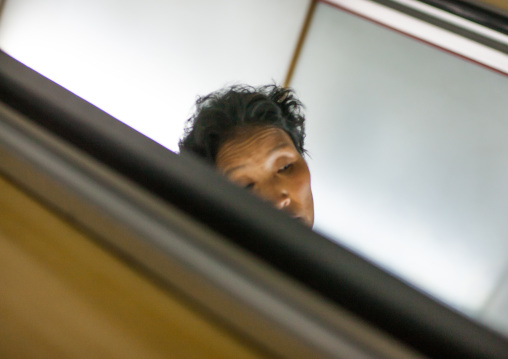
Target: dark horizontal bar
{"type": "Point", "coordinates": [329, 269]}
{"type": "Point", "coordinates": [480, 15]}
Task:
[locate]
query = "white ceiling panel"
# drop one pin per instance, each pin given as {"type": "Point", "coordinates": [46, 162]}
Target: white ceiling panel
{"type": "Point", "coordinates": [408, 155]}
{"type": "Point", "coordinates": [145, 62]}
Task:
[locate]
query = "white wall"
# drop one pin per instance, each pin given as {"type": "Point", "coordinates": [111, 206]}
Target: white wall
{"type": "Point", "coordinates": [409, 153]}
{"type": "Point", "coordinates": [144, 62]}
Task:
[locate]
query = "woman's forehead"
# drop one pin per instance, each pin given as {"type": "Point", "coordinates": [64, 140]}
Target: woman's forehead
{"type": "Point", "coordinates": [253, 142]}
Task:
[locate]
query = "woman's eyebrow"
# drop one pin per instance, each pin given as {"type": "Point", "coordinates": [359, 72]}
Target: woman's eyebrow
{"type": "Point", "coordinates": [278, 147]}
{"type": "Point", "coordinates": [233, 169]}
{"type": "Point", "coordinates": [274, 149]}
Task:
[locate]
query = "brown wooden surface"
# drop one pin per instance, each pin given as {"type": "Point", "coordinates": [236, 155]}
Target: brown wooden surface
{"type": "Point", "coordinates": [502, 4]}
{"type": "Point", "coordinates": [63, 296]}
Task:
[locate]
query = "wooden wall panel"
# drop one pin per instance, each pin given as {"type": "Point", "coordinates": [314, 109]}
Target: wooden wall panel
{"type": "Point", "coordinates": [63, 296]}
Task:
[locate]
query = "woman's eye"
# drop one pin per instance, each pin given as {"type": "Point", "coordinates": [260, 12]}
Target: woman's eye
{"type": "Point", "coordinates": [285, 168]}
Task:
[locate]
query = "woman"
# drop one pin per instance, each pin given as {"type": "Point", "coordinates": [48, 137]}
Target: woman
{"type": "Point", "coordinates": [254, 136]}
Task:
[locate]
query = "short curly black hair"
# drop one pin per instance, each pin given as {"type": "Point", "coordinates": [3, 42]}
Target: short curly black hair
{"type": "Point", "coordinates": [220, 114]}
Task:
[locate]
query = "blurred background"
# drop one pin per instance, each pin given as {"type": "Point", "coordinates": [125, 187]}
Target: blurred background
{"type": "Point", "coordinates": [407, 111]}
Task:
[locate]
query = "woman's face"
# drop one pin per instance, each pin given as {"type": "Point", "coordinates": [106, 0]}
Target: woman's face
{"type": "Point", "coordinates": [265, 160]}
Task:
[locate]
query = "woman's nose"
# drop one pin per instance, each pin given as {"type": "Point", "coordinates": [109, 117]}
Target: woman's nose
{"type": "Point", "coordinates": [282, 202]}
{"type": "Point", "coordinates": [276, 193]}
